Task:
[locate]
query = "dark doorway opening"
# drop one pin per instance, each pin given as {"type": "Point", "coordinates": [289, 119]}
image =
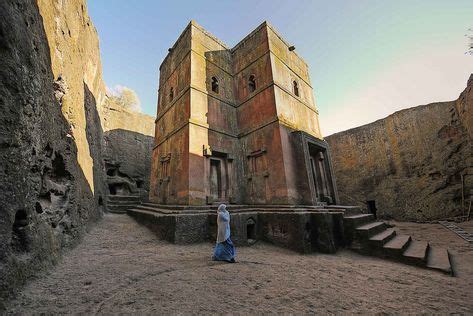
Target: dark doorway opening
{"type": "Point", "coordinates": [372, 207]}
{"type": "Point", "coordinates": [19, 238]}
{"type": "Point", "coordinates": [251, 231]}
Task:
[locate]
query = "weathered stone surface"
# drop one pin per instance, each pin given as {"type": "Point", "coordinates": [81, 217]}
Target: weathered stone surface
{"type": "Point", "coordinates": [75, 59]}
{"type": "Point", "coordinates": [47, 199]}
{"type": "Point", "coordinates": [52, 144]}
{"type": "Point", "coordinates": [127, 146]}
{"type": "Point", "coordinates": [411, 163]}
{"type": "Point", "coordinates": [220, 138]}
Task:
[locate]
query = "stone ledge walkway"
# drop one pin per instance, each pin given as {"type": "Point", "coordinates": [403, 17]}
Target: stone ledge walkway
{"type": "Point", "coordinates": [121, 267]}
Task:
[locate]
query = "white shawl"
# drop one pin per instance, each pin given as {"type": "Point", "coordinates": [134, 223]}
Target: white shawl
{"type": "Point", "coordinates": [223, 223]}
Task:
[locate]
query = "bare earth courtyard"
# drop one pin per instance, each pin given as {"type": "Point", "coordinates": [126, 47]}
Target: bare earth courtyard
{"type": "Point", "coordinates": [121, 267]}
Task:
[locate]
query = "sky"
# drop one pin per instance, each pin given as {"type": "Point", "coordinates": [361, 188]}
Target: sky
{"type": "Point", "coordinates": [367, 59]}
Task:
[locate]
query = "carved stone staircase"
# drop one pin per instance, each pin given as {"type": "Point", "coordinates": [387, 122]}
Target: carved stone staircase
{"type": "Point", "coordinates": [120, 203]}
{"type": "Point", "coordinates": [370, 237]}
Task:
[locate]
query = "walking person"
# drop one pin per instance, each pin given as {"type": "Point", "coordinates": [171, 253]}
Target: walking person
{"type": "Point", "coordinates": [224, 248]}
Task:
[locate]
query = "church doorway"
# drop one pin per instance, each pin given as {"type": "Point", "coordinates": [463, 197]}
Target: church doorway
{"type": "Point", "coordinates": [216, 179]}
{"type": "Point", "coordinates": [320, 176]}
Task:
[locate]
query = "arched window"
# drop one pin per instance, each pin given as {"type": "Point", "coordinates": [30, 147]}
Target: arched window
{"type": "Point", "coordinates": [215, 84]}
{"type": "Point", "coordinates": [252, 83]}
{"type": "Point", "coordinates": [171, 94]}
{"type": "Point", "coordinates": [295, 87]}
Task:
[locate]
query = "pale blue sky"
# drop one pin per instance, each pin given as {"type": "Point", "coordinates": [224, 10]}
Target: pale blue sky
{"type": "Point", "coordinates": [367, 59]}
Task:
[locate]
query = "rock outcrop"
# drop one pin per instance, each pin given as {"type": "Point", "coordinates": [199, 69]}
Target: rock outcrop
{"type": "Point", "coordinates": [56, 135]}
{"type": "Point", "coordinates": [128, 142]}
{"type": "Point", "coordinates": [415, 164]}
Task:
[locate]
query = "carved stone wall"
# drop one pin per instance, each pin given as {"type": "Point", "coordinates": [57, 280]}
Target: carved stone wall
{"type": "Point", "coordinates": [218, 138]}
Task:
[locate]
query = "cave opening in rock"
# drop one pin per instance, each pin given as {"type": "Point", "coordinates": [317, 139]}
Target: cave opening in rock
{"type": "Point", "coordinates": [119, 189]}
{"type": "Point", "coordinates": [19, 240]}
{"type": "Point", "coordinates": [59, 167]}
{"type": "Point", "coordinates": [111, 172]}
{"type": "Point", "coordinates": [139, 184]}
{"type": "Point", "coordinates": [251, 231]}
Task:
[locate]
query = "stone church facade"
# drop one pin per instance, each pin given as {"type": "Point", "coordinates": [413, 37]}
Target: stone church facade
{"type": "Point", "coordinates": [238, 125]}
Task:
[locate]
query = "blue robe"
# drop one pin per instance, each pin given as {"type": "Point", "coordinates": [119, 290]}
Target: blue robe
{"type": "Point", "coordinates": [224, 251]}
{"type": "Point", "coordinates": [224, 248]}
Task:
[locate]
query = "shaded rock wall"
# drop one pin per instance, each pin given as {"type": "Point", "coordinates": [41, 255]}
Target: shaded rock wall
{"type": "Point", "coordinates": [53, 148]}
{"type": "Point", "coordinates": [412, 163]}
{"type": "Point", "coordinates": [128, 142]}
{"type": "Point", "coordinates": [47, 200]}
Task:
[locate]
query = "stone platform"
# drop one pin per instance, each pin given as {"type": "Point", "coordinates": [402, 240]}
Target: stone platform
{"type": "Point", "coordinates": [298, 227]}
{"type": "Point", "coordinates": [301, 228]}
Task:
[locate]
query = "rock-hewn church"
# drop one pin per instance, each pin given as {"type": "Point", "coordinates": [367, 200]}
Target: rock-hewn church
{"type": "Point", "coordinates": [238, 125]}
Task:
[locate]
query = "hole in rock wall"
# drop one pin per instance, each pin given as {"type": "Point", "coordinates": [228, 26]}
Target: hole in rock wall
{"type": "Point", "coordinates": [251, 231]}
{"type": "Point", "coordinates": [19, 240]}
{"type": "Point", "coordinates": [215, 84]}
{"type": "Point", "coordinates": [111, 172]}
{"type": "Point", "coordinates": [48, 151]}
{"type": "Point", "coordinates": [59, 167]}
{"type": "Point", "coordinates": [100, 201]}
{"type": "Point", "coordinates": [371, 204]}
{"type": "Point", "coordinates": [119, 189]}
{"type": "Point", "coordinates": [139, 184]}
{"type": "Point", "coordinates": [38, 208]}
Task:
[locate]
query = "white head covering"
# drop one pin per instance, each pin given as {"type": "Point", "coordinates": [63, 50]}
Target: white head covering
{"type": "Point", "coordinates": [223, 223]}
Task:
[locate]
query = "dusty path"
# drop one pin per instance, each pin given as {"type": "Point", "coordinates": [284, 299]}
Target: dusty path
{"type": "Point", "coordinates": [121, 267]}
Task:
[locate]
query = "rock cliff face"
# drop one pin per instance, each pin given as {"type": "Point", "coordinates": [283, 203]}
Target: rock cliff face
{"type": "Point", "coordinates": [416, 164]}
{"type": "Point", "coordinates": [128, 142]}
{"type": "Point", "coordinates": [47, 199]}
{"type": "Point", "coordinates": [52, 142]}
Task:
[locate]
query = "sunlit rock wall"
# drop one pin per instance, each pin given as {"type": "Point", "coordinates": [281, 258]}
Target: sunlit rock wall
{"type": "Point", "coordinates": [416, 164]}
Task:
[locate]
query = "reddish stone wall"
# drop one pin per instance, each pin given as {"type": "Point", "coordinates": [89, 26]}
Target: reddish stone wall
{"type": "Point", "coordinates": [411, 163]}
{"type": "Point", "coordinates": [240, 128]}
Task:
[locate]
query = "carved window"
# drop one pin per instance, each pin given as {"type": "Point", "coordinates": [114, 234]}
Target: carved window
{"type": "Point", "coordinates": [215, 84]}
{"type": "Point", "coordinates": [295, 88]}
{"type": "Point", "coordinates": [165, 166]}
{"type": "Point", "coordinates": [257, 163]}
{"type": "Point", "coordinates": [171, 94]}
{"type": "Point", "coordinates": [252, 83]}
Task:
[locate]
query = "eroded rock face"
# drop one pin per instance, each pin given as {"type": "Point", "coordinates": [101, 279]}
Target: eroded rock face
{"type": "Point", "coordinates": [57, 133]}
{"type": "Point", "coordinates": [47, 198]}
{"type": "Point", "coordinates": [128, 142]}
{"type": "Point", "coordinates": [412, 163]}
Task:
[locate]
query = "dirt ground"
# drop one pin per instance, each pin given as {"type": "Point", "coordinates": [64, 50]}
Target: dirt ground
{"type": "Point", "coordinates": [120, 267]}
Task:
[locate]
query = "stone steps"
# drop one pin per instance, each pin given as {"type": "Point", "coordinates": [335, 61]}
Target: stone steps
{"type": "Point", "coordinates": [116, 198]}
{"type": "Point", "coordinates": [439, 259]}
{"type": "Point", "coordinates": [383, 237]}
{"type": "Point", "coordinates": [368, 230]}
{"type": "Point", "coordinates": [375, 238]}
{"type": "Point", "coordinates": [120, 203]}
{"type": "Point", "coordinates": [174, 209]}
{"type": "Point", "coordinates": [416, 253]}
